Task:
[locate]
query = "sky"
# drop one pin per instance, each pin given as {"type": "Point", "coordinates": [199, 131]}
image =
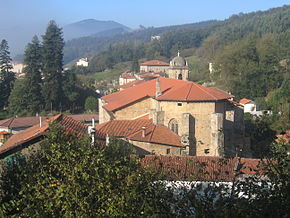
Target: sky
{"type": "Point", "coordinates": [19, 17]}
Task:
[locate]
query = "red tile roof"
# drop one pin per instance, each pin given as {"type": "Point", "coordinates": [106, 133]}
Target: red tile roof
{"type": "Point", "coordinates": [284, 137]}
{"type": "Point", "coordinates": [84, 117]}
{"type": "Point", "coordinates": [154, 63]}
{"type": "Point", "coordinates": [200, 168]}
{"type": "Point", "coordinates": [127, 76]}
{"type": "Point", "coordinates": [132, 129]}
{"type": "Point", "coordinates": [4, 133]}
{"type": "Point", "coordinates": [17, 122]}
{"type": "Point", "coordinates": [69, 125]}
{"type": "Point", "coordinates": [172, 89]}
{"type": "Point", "coordinates": [245, 101]}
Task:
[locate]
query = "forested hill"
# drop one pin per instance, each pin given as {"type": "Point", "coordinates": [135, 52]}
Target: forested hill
{"type": "Point", "coordinates": [250, 54]}
{"type": "Point", "coordinates": [91, 45]}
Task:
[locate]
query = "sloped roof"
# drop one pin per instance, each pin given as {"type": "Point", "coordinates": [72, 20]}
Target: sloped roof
{"type": "Point", "coordinates": [84, 117]}
{"type": "Point", "coordinates": [69, 125]}
{"type": "Point", "coordinates": [16, 122]}
{"type": "Point", "coordinates": [154, 63]}
{"type": "Point", "coordinates": [202, 168]}
{"type": "Point", "coordinates": [127, 76]}
{"type": "Point", "coordinates": [132, 129]}
{"type": "Point", "coordinates": [245, 101]}
{"type": "Point", "coordinates": [172, 90]}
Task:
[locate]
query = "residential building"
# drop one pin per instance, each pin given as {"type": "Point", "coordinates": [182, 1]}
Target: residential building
{"type": "Point", "coordinates": [83, 62]}
{"type": "Point", "coordinates": [154, 66]}
{"type": "Point", "coordinates": [27, 141]}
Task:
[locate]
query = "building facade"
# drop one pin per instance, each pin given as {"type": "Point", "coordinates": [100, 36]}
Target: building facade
{"type": "Point", "coordinates": [206, 122]}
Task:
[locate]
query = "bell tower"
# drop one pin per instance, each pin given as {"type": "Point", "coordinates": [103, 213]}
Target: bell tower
{"type": "Point", "coordinates": [178, 68]}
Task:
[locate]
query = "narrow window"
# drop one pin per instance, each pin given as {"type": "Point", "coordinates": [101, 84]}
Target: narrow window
{"type": "Point", "coordinates": [179, 104]}
{"type": "Point", "coordinates": [168, 151]}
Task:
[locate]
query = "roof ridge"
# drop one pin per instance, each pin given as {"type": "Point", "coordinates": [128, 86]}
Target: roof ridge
{"type": "Point", "coordinates": [154, 127]}
{"type": "Point", "coordinates": [189, 91]}
{"type": "Point", "coordinates": [205, 90]}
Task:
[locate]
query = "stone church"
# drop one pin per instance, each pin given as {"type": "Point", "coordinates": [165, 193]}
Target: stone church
{"type": "Point", "coordinates": [174, 116]}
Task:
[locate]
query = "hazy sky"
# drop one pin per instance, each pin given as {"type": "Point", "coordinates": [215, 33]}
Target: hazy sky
{"type": "Point", "coordinates": [23, 16]}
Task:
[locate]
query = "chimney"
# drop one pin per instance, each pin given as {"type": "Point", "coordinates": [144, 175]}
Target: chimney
{"type": "Point", "coordinates": [40, 123]}
{"type": "Point", "coordinates": [143, 131]}
{"type": "Point", "coordinates": [158, 89]}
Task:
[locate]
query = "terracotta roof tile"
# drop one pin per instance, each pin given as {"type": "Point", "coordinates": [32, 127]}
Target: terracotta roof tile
{"type": "Point", "coordinates": [84, 117]}
{"type": "Point", "coordinates": [69, 125]}
{"type": "Point", "coordinates": [172, 89]}
{"type": "Point", "coordinates": [154, 63]}
{"type": "Point", "coordinates": [16, 122]}
{"type": "Point", "coordinates": [245, 101]}
{"type": "Point", "coordinates": [202, 168]}
{"type": "Point", "coordinates": [132, 129]}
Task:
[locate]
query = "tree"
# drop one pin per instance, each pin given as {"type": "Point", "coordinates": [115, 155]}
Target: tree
{"type": "Point", "coordinates": [91, 104]}
{"type": "Point", "coordinates": [70, 90]}
{"type": "Point", "coordinates": [33, 65]}
{"type": "Point", "coordinates": [52, 53]}
{"type": "Point", "coordinates": [69, 177]}
{"type": "Point", "coordinates": [7, 77]}
{"type": "Point", "coordinates": [18, 99]}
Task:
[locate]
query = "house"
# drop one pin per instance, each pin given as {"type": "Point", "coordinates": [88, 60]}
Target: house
{"type": "Point", "coordinates": [83, 62]}
{"type": "Point", "coordinates": [249, 105]}
{"type": "Point", "coordinates": [28, 140]}
{"type": "Point", "coordinates": [16, 124]}
{"type": "Point", "coordinates": [4, 135]}
{"type": "Point", "coordinates": [154, 66]}
{"type": "Point", "coordinates": [205, 120]}
{"type": "Point", "coordinates": [126, 77]}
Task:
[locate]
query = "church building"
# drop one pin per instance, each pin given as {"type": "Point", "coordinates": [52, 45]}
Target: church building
{"type": "Point", "coordinates": [173, 116]}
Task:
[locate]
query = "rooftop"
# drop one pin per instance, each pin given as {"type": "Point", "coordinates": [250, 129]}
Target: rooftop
{"type": "Point", "coordinates": [133, 130]}
{"type": "Point", "coordinates": [154, 63]}
{"type": "Point", "coordinates": [171, 89]}
{"type": "Point", "coordinates": [69, 125]}
{"type": "Point", "coordinates": [202, 168]}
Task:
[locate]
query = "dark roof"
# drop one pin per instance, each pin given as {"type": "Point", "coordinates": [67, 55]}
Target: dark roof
{"type": "Point", "coordinates": [202, 168]}
{"type": "Point", "coordinates": [17, 122]}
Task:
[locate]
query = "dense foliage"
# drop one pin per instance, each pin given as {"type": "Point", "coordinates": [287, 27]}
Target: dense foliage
{"type": "Point", "coordinates": [71, 177]}
{"type": "Point", "coordinates": [7, 77]}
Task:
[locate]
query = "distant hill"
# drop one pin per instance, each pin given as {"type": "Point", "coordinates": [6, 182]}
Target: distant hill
{"type": "Point", "coordinates": [92, 27]}
{"type": "Point", "coordinates": [90, 45]}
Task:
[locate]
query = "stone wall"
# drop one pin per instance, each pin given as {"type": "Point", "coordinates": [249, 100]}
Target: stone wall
{"type": "Point", "coordinates": [173, 72]}
{"type": "Point", "coordinates": [134, 110]}
{"type": "Point", "coordinates": [159, 149]}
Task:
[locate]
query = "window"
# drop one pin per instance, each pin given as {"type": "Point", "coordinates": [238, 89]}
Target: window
{"type": "Point", "coordinates": [173, 125]}
{"type": "Point", "coordinates": [168, 151]}
{"type": "Point", "coordinates": [180, 76]}
{"type": "Point", "coordinates": [179, 104]}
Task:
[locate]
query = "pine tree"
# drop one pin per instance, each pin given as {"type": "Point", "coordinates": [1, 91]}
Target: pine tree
{"type": "Point", "coordinates": [7, 77]}
{"type": "Point", "coordinates": [33, 64]}
{"type": "Point", "coordinates": [52, 54]}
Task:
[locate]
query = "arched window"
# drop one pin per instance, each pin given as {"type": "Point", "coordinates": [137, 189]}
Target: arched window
{"type": "Point", "coordinates": [173, 125]}
{"type": "Point", "coordinates": [180, 76]}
